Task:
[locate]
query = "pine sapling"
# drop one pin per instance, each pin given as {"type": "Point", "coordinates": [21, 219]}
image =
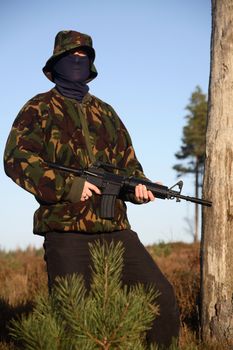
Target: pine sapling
{"type": "Point", "coordinates": [110, 316]}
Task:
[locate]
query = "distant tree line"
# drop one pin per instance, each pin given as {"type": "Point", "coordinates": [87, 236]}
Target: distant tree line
{"type": "Point", "coordinates": [192, 151]}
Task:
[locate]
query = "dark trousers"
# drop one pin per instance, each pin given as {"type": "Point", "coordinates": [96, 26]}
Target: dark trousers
{"type": "Point", "coordinates": [67, 253]}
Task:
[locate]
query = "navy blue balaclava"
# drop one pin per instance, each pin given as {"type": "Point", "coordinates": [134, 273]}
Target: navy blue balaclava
{"type": "Point", "coordinates": [70, 73]}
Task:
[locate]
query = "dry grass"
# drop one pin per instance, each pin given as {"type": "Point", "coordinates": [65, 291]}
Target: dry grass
{"type": "Point", "coordinates": [23, 274]}
{"type": "Point", "coordinates": [180, 264]}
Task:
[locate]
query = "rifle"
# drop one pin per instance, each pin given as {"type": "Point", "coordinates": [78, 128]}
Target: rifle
{"type": "Point", "coordinates": [114, 186]}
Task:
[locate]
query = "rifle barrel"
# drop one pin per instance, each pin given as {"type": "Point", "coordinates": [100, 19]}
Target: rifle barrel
{"type": "Point", "coordinates": [193, 199]}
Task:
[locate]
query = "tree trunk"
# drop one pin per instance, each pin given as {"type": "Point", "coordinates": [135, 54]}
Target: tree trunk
{"type": "Point", "coordinates": [196, 219]}
{"type": "Point", "coordinates": [217, 240]}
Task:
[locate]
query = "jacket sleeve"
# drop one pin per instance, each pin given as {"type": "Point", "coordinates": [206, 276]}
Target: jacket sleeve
{"type": "Point", "coordinates": [24, 159]}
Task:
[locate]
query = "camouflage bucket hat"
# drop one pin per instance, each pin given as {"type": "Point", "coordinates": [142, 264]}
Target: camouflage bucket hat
{"type": "Point", "coordinates": [65, 41]}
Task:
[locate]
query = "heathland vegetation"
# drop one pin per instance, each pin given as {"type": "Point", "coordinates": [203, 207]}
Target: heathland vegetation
{"type": "Point", "coordinates": [23, 275]}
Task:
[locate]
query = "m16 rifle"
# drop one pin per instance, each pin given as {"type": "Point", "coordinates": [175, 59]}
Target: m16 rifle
{"type": "Point", "coordinates": [113, 186]}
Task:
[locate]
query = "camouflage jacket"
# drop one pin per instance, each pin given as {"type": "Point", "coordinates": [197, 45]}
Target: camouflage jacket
{"type": "Point", "coordinates": [51, 127]}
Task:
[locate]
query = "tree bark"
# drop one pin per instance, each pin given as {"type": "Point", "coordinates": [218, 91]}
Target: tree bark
{"type": "Point", "coordinates": [196, 217]}
{"type": "Point", "coordinates": [217, 238]}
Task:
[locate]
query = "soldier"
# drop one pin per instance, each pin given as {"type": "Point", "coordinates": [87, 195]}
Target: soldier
{"type": "Point", "coordinates": [71, 127]}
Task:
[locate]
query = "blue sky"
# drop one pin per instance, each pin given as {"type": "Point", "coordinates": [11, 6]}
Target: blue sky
{"type": "Point", "coordinates": [150, 56]}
